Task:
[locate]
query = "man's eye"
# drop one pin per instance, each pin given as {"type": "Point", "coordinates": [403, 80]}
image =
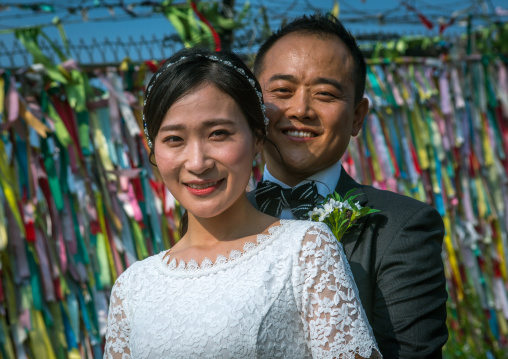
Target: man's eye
{"type": "Point", "coordinates": [282, 90]}
{"type": "Point", "coordinates": [325, 93]}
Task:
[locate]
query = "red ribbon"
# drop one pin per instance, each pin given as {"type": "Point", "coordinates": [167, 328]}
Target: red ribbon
{"type": "Point", "coordinates": [152, 65]}
{"type": "Point", "coordinates": [423, 19]}
{"type": "Point", "coordinates": [216, 37]}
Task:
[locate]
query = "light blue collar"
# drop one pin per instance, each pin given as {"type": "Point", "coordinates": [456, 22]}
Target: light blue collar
{"type": "Point", "coordinates": [326, 180]}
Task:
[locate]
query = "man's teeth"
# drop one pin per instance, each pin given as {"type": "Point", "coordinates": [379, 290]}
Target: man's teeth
{"type": "Point", "coordinates": [299, 134]}
{"type": "Point", "coordinates": [202, 186]}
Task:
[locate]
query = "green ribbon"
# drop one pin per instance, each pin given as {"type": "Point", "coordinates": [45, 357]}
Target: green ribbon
{"type": "Point", "coordinates": [35, 280]}
{"type": "Point", "coordinates": [6, 347]}
{"type": "Point", "coordinates": [28, 37]}
{"type": "Point", "coordinates": [56, 331]}
{"type": "Point", "coordinates": [54, 182]}
{"type": "Point", "coordinates": [61, 132]}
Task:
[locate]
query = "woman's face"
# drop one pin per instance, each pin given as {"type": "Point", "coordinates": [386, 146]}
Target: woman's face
{"type": "Point", "coordinates": [204, 151]}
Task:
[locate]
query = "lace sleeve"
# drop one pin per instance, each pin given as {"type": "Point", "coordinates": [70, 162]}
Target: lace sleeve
{"type": "Point", "coordinates": [118, 332]}
{"type": "Point", "coordinates": [333, 318]}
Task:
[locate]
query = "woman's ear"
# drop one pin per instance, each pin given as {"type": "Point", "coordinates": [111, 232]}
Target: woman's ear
{"type": "Point", "coordinates": [258, 142]}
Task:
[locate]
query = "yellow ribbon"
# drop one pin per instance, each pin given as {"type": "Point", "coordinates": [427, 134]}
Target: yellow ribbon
{"type": "Point", "coordinates": [482, 208]}
{"type": "Point", "coordinates": [104, 239]}
{"type": "Point", "coordinates": [3, 228]}
{"type": "Point", "coordinates": [503, 326]}
{"type": "Point", "coordinates": [421, 140]}
{"type": "Point", "coordinates": [453, 258]}
{"type": "Point", "coordinates": [101, 146]}
{"type": "Point", "coordinates": [375, 163]}
{"type": "Point", "coordinates": [7, 345]}
{"type": "Point", "coordinates": [8, 184]}
{"type": "Point", "coordinates": [58, 330]}
{"type": "Point", "coordinates": [487, 146]}
{"type": "Point", "coordinates": [39, 340]}
{"type": "Point", "coordinates": [500, 250]}
{"type": "Point", "coordinates": [33, 121]}
{"type": "Point", "coordinates": [2, 94]}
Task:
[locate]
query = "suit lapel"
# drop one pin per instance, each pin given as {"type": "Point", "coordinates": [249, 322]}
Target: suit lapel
{"type": "Point", "coordinates": [350, 240]}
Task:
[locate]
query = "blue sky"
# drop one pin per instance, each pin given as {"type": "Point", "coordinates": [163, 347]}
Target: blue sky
{"type": "Point", "coordinates": [360, 16]}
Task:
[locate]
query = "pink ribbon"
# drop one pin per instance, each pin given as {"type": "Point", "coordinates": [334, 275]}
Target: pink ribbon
{"type": "Point", "coordinates": [444, 91]}
{"type": "Point", "coordinates": [13, 100]}
{"type": "Point", "coordinates": [44, 265]}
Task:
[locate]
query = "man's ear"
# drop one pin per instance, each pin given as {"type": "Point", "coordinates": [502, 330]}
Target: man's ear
{"type": "Point", "coordinates": [361, 110]}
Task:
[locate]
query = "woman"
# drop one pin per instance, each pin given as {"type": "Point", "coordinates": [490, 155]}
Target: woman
{"type": "Point", "coordinates": [239, 284]}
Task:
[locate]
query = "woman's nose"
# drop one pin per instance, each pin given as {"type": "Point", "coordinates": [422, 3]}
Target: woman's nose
{"type": "Point", "coordinates": [198, 159]}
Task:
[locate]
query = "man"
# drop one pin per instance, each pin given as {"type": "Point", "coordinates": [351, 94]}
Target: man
{"type": "Point", "coordinates": [312, 74]}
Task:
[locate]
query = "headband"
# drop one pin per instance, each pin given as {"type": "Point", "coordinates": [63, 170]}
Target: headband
{"type": "Point", "coordinates": [216, 59]}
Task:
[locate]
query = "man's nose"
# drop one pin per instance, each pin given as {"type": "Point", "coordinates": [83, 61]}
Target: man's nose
{"type": "Point", "coordinates": [198, 159]}
{"type": "Point", "coordinates": [300, 106]}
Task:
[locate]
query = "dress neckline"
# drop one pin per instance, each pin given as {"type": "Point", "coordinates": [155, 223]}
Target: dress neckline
{"type": "Point", "coordinates": [192, 267]}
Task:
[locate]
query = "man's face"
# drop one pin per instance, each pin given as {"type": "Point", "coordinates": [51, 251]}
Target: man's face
{"type": "Point", "coordinates": [308, 89]}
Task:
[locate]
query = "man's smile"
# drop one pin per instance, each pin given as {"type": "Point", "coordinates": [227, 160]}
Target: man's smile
{"type": "Point", "coordinates": [302, 134]}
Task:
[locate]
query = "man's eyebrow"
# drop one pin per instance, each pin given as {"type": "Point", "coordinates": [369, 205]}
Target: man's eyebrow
{"type": "Point", "coordinates": [319, 80]}
{"type": "Point", "coordinates": [328, 81]}
{"type": "Point", "coordinates": [276, 77]}
{"type": "Point", "coordinates": [207, 123]}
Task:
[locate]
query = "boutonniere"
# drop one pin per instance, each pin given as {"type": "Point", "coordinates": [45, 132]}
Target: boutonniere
{"type": "Point", "coordinates": [338, 213]}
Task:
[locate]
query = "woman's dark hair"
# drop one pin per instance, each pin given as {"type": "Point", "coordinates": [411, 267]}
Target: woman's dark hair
{"type": "Point", "coordinates": [191, 68]}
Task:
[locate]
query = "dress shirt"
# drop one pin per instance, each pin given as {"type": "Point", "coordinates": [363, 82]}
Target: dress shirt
{"type": "Point", "coordinates": [326, 181]}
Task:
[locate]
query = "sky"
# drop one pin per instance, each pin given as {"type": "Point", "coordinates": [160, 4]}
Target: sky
{"type": "Point", "coordinates": [362, 17]}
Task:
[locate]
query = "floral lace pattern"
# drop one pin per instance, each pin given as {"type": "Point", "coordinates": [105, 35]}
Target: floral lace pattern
{"type": "Point", "coordinates": [290, 295]}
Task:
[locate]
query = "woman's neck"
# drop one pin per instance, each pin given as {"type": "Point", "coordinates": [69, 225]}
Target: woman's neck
{"type": "Point", "coordinates": [238, 221]}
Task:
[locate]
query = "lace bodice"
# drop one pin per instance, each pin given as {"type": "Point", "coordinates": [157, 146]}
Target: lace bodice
{"type": "Point", "coordinates": [290, 295]}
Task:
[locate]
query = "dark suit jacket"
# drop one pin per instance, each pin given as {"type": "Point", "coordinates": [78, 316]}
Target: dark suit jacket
{"type": "Point", "coordinates": [395, 257]}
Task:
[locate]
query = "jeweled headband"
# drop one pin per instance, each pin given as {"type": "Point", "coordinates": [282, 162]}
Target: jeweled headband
{"type": "Point", "coordinates": [213, 58]}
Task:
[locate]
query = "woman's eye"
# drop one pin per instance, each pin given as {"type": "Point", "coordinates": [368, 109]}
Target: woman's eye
{"type": "Point", "coordinates": [172, 139]}
{"type": "Point", "coordinates": [219, 134]}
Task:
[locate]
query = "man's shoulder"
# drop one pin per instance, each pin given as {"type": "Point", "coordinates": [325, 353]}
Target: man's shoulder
{"type": "Point", "coordinates": [388, 200]}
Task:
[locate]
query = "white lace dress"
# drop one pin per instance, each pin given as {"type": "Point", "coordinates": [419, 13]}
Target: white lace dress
{"type": "Point", "coordinates": [290, 295]}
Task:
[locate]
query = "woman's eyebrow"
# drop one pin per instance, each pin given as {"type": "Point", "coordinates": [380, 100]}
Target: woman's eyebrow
{"type": "Point", "coordinates": [174, 127]}
{"type": "Point", "coordinates": [206, 123]}
{"type": "Point", "coordinates": [218, 121]}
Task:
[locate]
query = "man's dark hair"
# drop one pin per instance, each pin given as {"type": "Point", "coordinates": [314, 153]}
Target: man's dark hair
{"type": "Point", "coordinates": [320, 25]}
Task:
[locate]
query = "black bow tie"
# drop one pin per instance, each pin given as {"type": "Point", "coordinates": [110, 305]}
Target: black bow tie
{"type": "Point", "coordinates": [271, 198]}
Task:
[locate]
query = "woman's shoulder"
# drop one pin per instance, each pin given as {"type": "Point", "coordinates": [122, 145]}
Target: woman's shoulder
{"type": "Point", "coordinates": [305, 225]}
{"type": "Point", "coordinates": [141, 268]}
{"type": "Point", "coordinates": [302, 231]}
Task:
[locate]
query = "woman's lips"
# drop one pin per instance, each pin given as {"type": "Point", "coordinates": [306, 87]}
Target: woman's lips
{"type": "Point", "coordinates": [203, 188]}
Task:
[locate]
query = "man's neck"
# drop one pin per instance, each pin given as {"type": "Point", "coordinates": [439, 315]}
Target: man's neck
{"type": "Point", "coordinates": [326, 180]}
{"type": "Point", "coordinates": [289, 179]}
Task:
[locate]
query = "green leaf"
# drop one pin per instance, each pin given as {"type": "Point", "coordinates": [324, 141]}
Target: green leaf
{"type": "Point", "coordinates": [346, 196]}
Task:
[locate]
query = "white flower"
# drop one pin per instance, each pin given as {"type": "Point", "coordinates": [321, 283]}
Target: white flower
{"type": "Point", "coordinates": [323, 216]}
{"type": "Point", "coordinates": [328, 207]}
{"type": "Point", "coordinates": [316, 212]}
